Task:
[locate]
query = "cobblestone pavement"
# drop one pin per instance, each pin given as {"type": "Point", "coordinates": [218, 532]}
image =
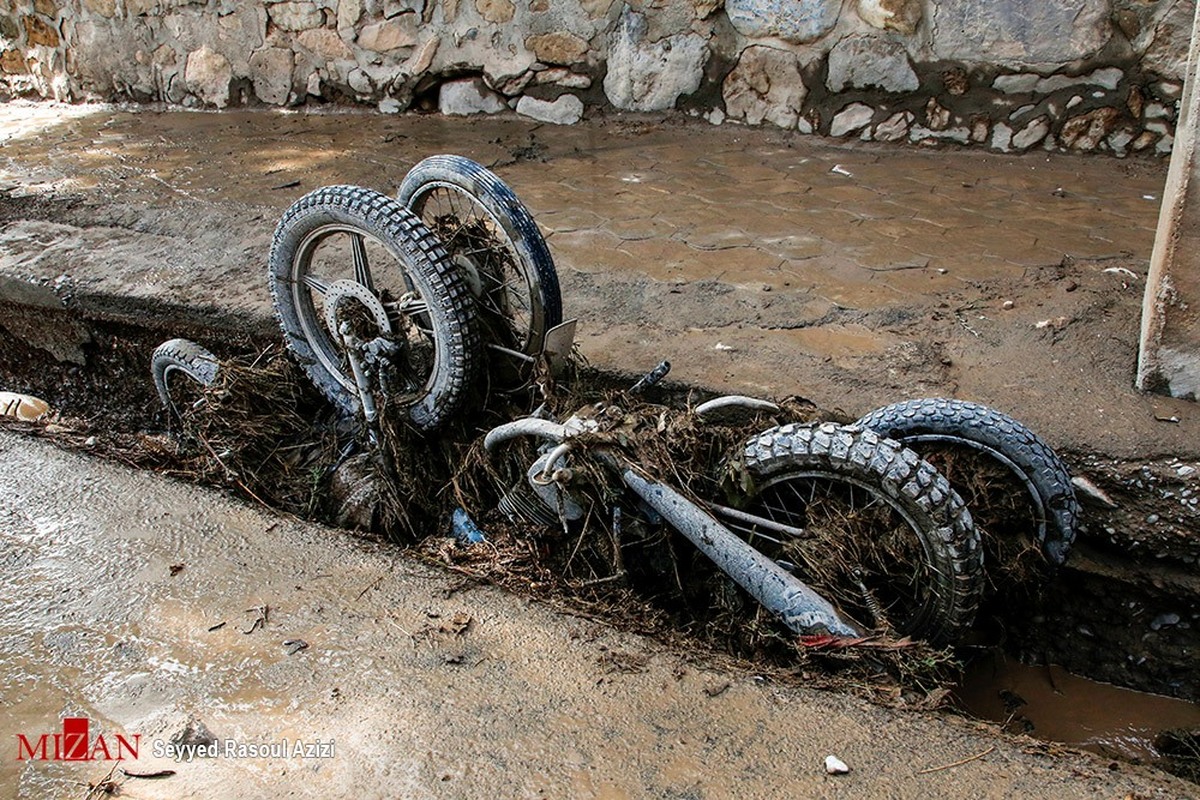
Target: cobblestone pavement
{"type": "Point", "coordinates": [762, 262]}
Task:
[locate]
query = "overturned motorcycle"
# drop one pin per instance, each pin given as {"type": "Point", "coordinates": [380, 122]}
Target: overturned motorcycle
{"type": "Point", "coordinates": [443, 301]}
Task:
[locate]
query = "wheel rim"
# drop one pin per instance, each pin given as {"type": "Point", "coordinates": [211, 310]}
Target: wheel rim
{"type": "Point", "coordinates": [345, 252]}
{"type": "Point", "coordinates": [1037, 508]}
{"type": "Point", "coordinates": [504, 285]}
{"type": "Point", "coordinates": [858, 538]}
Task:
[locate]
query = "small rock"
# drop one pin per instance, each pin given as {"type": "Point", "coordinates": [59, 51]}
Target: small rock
{"type": "Point", "coordinates": [863, 62]}
{"type": "Point", "coordinates": [1185, 471]}
{"type": "Point", "coordinates": [1152, 519]}
{"type": "Point", "coordinates": [722, 347]}
{"type": "Point", "coordinates": [1031, 134]}
{"type": "Point", "coordinates": [468, 96]}
{"type": "Point", "coordinates": [937, 117]}
{"type": "Point", "coordinates": [898, 15]}
{"type": "Point", "coordinates": [797, 21]}
{"type": "Point", "coordinates": [390, 105]}
{"type": "Point", "coordinates": [566, 110]}
{"type": "Point", "coordinates": [835, 766]}
{"type": "Point", "coordinates": [1164, 621]}
{"type": "Point", "coordinates": [851, 119]}
{"type": "Point", "coordinates": [1008, 305]}
{"type": "Point", "coordinates": [1093, 492]}
{"type": "Point", "coordinates": [895, 127]}
{"type": "Point", "coordinates": [90, 442]}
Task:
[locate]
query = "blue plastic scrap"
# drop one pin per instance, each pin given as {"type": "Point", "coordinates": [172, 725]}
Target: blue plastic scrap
{"type": "Point", "coordinates": [464, 528]}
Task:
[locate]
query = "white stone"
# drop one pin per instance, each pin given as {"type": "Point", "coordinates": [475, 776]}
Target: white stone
{"type": "Point", "coordinates": [391, 34]}
{"type": "Point", "coordinates": [1020, 32]}
{"type": "Point", "coordinates": [866, 62]}
{"type": "Point", "coordinates": [390, 105]}
{"type": "Point", "coordinates": [360, 82]}
{"type": "Point", "coordinates": [715, 116]}
{"type": "Point", "coordinates": [313, 85]}
{"type": "Point", "coordinates": [804, 125]}
{"type": "Point", "coordinates": [1002, 137]}
{"type": "Point", "coordinates": [468, 96]}
{"type": "Point", "coordinates": [207, 75]}
{"type": "Point", "coordinates": [795, 21]}
{"type": "Point", "coordinates": [1031, 134]}
{"type": "Point", "coordinates": [835, 766]}
{"type": "Point", "coordinates": [271, 74]}
{"type": "Point", "coordinates": [851, 119]}
{"type": "Point", "coordinates": [765, 85]}
{"type": "Point", "coordinates": [1164, 145]}
{"type": "Point", "coordinates": [920, 133]}
{"type": "Point", "coordinates": [1171, 90]}
{"type": "Point", "coordinates": [1166, 48]}
{"type": "Point", "coordinates": [645, 75]}
{"type": "Point", "coordinates": [566, 110]}
{"type": "Point", "coordinates": [1021, 83]}
{"type": "Point", "coordinates": [896, 15]}
{"type": "Point", "coordinates": [1118, 141]}
{"type": "Point", "coordinates": [296, 16]}
{"type": "Point", "coordinates": [895, 127]}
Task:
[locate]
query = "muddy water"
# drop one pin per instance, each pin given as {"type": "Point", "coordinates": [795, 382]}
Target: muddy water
{"type": "Point", "coordinates": [1052, 704]}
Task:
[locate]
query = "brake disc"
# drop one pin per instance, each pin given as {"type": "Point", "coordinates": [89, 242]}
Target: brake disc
{"type": "Point", "coordinates": [340, 292]}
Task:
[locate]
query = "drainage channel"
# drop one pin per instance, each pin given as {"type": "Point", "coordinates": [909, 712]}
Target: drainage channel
{"type": "Point", "coordinates": [1050, 703]}
{"type": "Point", "coordinates": [1108, 615]}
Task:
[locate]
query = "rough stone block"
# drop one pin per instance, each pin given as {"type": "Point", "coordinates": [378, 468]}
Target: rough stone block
{"type": "Point", "coordinates": [1027, 32]}
{"type": "Point", "coordinates": [296, 16]}
{"type": "Point", "coordinates": [795, 21]}
{"type": "Point", "coordinates": [497, 11]}
{"type": "Point", "coordinates": [896, 15]}
{"type": "Point", "coordinates": [645, 75]}
{"type": "Point", "coordinates": [391, 34]}
{"type": "Point", "coordinates": [851, 119]}
{"type": "Point", "coordinates": [325, 44]}
{"type": "Point", "coordinates": [566, 110]}
{"type": "Point", "coordinates": [765, 85]}
{"type": "Point", "coordinates": [468, 96]}
{"type": "Point", "coordinates": [38, 31]}
{"type": "Point", "coordinates": [864, 62]}
{"type": "Point", "coordinates": [560, 47]}
{"type": "Point", "coordinates": [208, 74]}
{"type": "Point", "coordinates": [271, 73]}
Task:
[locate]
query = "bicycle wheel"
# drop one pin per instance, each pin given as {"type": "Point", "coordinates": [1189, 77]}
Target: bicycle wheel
{"type": "Point", "coordinates": [866, 523]}
{"type": "Point", "coordinates": [185, 357]}
{"type": "Point", "coordinates": [947, 431]}
{"type": "Point", "coordinates": [338, 236]}
{"type": "Point", "coordinates": [495, 244]}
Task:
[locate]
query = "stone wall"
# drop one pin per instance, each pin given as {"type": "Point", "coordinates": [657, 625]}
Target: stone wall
{"type": "Point", "coordinates": [1009, 74]}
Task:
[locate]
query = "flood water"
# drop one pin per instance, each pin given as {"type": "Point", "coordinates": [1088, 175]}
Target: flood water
{"type": "Point", "coordinates": [1052, 704]}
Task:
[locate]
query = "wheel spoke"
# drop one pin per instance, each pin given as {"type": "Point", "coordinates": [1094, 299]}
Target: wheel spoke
{"type": "Point", "coordinates": [362, 270]}
{"type": "Point", "coordinates": [317, 284]}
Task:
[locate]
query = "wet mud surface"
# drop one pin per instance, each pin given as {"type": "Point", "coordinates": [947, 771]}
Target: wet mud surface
{"type": "Point", "coordinates": [148, 606]}
{"type": "Point", "coordinates": [744, 257]}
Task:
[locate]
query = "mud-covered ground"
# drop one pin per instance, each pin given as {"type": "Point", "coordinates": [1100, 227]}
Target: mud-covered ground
{"type": "Point", "coordinates": [155, 608]}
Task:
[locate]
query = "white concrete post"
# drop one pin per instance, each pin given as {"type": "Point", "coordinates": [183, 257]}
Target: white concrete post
{"type": "Point", "coordinates": [1169, 352]}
